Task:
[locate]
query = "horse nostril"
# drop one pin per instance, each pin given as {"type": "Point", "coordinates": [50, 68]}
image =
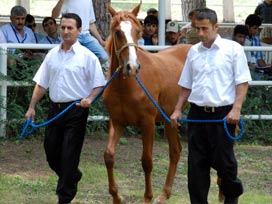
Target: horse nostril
{"type": "Point", "coordinates": [128, 67]}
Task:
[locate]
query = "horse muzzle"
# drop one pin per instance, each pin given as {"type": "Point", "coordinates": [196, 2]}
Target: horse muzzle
{"type": "Point", "coordinates": [131, 70]}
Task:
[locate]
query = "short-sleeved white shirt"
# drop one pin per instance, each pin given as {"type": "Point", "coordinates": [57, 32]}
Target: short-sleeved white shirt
{"type": "Point", "coordinates": [70, 76]}
{"type": "Point", "coordinates": [213, 73]}
{"type": "Point", "coordinates": [13, 36]}
{"type": "Point", "coordinates": [83, 8]}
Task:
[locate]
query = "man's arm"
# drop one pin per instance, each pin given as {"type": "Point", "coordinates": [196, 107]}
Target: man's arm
{"type": "Point", "coordinates": [86, 102]}
{"type": "Point", "coordinates": [95, 33]}
{"type": "Point", "coordinates": [38, 93]}
{"type": "Point", "coordinates": [235, 113]}
{"type": "Point", "coordinates": [182, 101]}
{"type": "Point", "coordinates": [56, 10]}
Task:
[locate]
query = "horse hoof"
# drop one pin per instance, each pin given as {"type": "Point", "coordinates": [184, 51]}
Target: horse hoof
{"type": "Point", "coordinates": [120, 200]}
{"type": "Point", "coordinates": [159, 202]}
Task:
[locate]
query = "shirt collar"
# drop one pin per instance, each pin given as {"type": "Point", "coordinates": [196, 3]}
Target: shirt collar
{"type": "Point", "coordinates": [74, 47]}
{"type": "Point", "coordinates": [216, 44]}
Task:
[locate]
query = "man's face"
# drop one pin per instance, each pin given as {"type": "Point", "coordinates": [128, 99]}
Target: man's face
{"type": "Point", "coordinates": [240, 38]}
{"type": "Point", "coordinates": [253, 30]}
{"type": "Point", "coordinates": [150, 29]}
{"type": "Point", "coordinates": [173, 37]}
{"type": "Point", "coordinates": [50, 27]}
{"type": "Point", "coordinates": [268, 1]}
{"type": "Point", "coordinates": [69, 30]}
{"type": "Point", "coordinates": [18, 22]}
{"type": "Point", "coordinates": [206, 31]}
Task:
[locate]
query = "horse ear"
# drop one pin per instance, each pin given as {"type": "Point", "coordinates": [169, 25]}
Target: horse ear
{"type": "Point", "coordinates": [136, 10]}
{"type": "Point", "coordinates": [111, 10]}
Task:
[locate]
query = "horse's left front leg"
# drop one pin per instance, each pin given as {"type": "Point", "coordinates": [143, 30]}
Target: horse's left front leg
{"type": "Point", "coordinates": [174, 156]}
{"type": "Point", "coordinates": [148, 131]}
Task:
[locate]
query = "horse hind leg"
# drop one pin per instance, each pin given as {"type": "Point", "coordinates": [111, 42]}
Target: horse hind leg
{"type": "Point", "coordinates": [174, 156]}
{"type": "Point", "coordinates": [113, 139]}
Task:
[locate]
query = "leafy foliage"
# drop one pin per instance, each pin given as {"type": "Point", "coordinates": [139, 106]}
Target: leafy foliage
{"type": "Point", "coordinates": [258, 101]}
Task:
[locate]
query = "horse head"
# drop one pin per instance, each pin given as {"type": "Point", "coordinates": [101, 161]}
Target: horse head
{"type": "Point", "coordinates": [122, 44]}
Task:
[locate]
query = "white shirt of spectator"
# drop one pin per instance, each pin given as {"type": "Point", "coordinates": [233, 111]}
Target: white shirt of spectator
{"type": "Point", "coordinates": [13, 36]}
{"type": "Point", "coordinates": [83, 8]}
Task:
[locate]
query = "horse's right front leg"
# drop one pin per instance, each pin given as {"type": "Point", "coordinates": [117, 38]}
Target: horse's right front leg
{"type": "Point", "coordinates": [113, 139]}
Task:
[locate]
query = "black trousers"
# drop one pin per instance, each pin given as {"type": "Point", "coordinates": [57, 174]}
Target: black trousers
{"type": "Point", "coordinates": [63, 143]}
{"type": "Point", "coordinates": [209, 147]}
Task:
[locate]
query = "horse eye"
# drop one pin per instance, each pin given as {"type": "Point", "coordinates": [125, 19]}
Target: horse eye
{"type": "Point", "coordinates": [118, 33]}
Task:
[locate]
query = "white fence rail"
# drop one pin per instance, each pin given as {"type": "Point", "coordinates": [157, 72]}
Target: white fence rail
{"type": "Point", "coordinates": [4, 84]}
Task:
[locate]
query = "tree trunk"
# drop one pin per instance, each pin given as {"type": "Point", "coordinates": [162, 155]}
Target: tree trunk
{"type": "Point", "coordinates": [102, 17]}
{"type": "Point", "coordinates": [228, 11]}
{"type": "Point", "coordinates": [189, 5]}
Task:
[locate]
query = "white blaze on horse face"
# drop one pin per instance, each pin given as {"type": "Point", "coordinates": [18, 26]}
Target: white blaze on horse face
{"type": "Point", "coordinates": [126, 28]}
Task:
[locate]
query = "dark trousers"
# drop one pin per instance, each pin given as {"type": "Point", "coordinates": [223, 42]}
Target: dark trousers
{"type": "Point", "coordinates": [63, 143]}
{"type": "Point", "coordinates": [209, 147]}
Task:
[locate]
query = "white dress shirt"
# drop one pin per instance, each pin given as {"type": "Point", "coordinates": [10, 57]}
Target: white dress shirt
{"type": "Point", "coordinates": [70, 75]}
{"type": "Point", "coordinates": [83, 8]}
{"type": "Point", "coordinates": [213, 73]}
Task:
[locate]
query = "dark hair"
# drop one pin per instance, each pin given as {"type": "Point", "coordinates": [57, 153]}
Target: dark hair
{"type": "Point", "coordinates": [253, 20]}
{"type": "Point", "coordinates": [150, 19]}
{"type": "Point", "coordinates": [73, 16]}
{"type": "Point", "coordinates": [207, 13]}
{"type": "Point", "coordinates": [29, 18]}
{"type": "Point", "coordinates": [47, 19]}
{"type": "Point", "coordinates": [240, 29]}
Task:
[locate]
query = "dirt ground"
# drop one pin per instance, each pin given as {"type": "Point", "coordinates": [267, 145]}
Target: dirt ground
{"type": "Point", "coordinates": [27, 160]}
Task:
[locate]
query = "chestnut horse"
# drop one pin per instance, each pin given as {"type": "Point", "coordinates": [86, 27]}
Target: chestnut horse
{"type": "Point", "coordinates": [128, 104]}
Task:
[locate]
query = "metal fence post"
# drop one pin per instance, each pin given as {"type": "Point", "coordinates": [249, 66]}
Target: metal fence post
{"type": "Point", "coordinates": [3, 91]}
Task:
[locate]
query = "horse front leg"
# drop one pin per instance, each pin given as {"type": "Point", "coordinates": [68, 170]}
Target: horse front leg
{"type": "Point", "coordinates": [115, 132]}
{"type": "Point", "coordinates": [174, 155]}
{"type": "Point", "coordinates": [148, 133]}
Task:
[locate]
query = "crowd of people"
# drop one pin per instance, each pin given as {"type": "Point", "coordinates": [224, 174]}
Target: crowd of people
{"type": "Point", "coordinates": [72, 72]}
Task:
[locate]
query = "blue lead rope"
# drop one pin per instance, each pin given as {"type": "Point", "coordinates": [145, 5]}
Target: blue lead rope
{"type": "Point", "coordinates": [242, 128]}
{"type": "Point", "coordinates": [29, 122]}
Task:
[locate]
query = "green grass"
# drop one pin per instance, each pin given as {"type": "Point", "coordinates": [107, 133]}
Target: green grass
{"type": "Point", "coordinates": [25, 177]}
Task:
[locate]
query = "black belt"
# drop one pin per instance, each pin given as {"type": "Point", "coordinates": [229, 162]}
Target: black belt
{"type": "Point", "coordinates": [209, 109]}
{"type": "Point", "coordinates": [62, 105]}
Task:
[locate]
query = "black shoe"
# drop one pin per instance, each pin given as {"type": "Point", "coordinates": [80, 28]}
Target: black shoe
{"type": "Point", "coordinates": [229, 200]}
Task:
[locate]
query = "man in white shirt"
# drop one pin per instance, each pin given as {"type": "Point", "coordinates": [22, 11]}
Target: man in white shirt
{"type": "Point", "coordinates": [84, 9]}
{"type": "Point", "coordinates": [71, 73]}
{"type": "Point", "coordinates": [215, 82]}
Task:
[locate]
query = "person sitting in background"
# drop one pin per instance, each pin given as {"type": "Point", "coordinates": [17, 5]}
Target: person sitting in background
{"type": "Point", "coordinates": [16, 31]}
{"type": "Point", "coordinates": [173, 34]}
{"type": "Point", "coordinates": [30, 23]}
{"type": "Point", "coordinates": [150, 30]}
{"type": "Point", "coordinates": [152, 12]}
{"type": "Point", "coordinates": [189, 30]}
{"type": "Point", "coordinates": [255, 58]}
{"type": "Point", "coordinates": [50, 27]}
{"type": "Point", "coordinates": [2, 37]}
{"type": "Point", "coordinates": [239, 34]}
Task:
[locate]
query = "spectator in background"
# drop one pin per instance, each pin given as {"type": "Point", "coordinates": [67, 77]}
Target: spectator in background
{"type": "Point", "coordinates": [255, 58]}
{"type": "Point", "coordinates": [50, 27]}
{"type": "Point", "coordinates": [16, 31]}
{"type": "Point", "coordinates": [239, 34]}
{"type": "Point", "coordinates": [153, 12]}
{"type": "Point", "coordinates": [173, 34]}
{"type": "Point", "coordinates": [31, 23]}
{"type": "Point", "coordinates": [189, 31]}
{"type": "Point", "coordinates": [89, 36]}
{"type": "Point", "coordinates": [150, 30]}
{"type": "Point", "coordinates": [2, 37]}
